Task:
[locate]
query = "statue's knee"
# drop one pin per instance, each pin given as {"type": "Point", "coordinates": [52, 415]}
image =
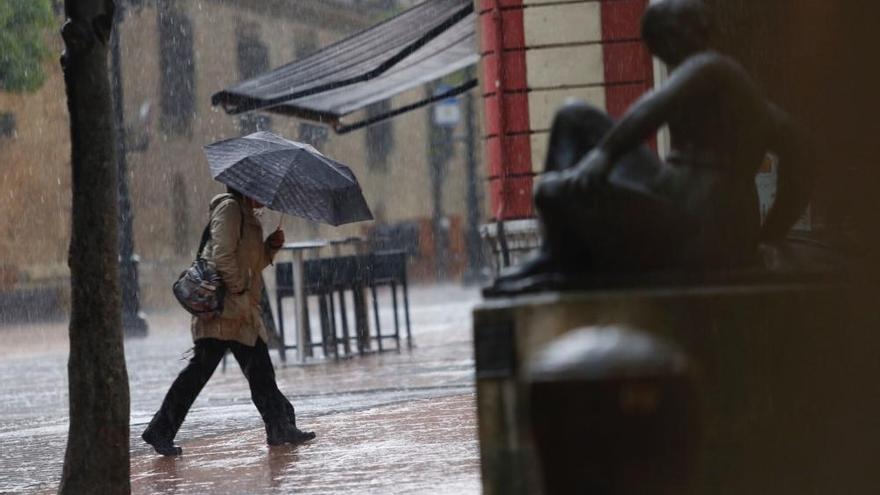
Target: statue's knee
{"type": "Point", "coordinates": [577, 128]}
{"type": "Point", "coordinates": [547, 192]}
{"type": "Point", "coordinates": [578, 113]}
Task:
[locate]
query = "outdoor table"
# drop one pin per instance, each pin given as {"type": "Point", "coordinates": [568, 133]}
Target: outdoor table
{"type": "Point", "coordinates": [303, 278]}
{"type": "Point", "coordinates": [298, 250]}
{"type": "Point", "coordinates": [357, 242]}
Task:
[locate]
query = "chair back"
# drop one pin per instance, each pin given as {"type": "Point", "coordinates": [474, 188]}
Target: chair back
{"type": "Point", "coordinates": [284, 279]}
{"type": "Point", "coordinates": [388, 266]}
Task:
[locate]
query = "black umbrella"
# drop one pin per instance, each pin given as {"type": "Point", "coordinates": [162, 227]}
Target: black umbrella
{"type": "Point", "coordinates": [289, 177]}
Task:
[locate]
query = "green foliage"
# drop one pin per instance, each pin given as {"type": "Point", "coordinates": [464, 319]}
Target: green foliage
{"type": "Point", "coordinates": [23, 25]}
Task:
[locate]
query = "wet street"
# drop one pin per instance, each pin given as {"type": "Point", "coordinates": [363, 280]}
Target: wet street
{"type": "Point", "coordinates": [386, 423]}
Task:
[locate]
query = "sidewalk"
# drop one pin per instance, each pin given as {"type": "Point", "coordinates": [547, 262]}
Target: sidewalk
{"type": "Point", "coordinates": [389, 423]}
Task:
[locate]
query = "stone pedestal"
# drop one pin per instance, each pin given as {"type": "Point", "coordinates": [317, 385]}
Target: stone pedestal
{"type": "Point", "coordinates": [787, 376]}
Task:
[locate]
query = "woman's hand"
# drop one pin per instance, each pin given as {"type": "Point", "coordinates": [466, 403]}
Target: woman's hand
{"type": "Point", "coordinates": [276, 239]}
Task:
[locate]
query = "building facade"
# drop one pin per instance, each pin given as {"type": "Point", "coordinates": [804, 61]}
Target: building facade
{"type": "Point", "coordinates": [535, 55]}
{"type": "Point", "coordinates": [175, 55]}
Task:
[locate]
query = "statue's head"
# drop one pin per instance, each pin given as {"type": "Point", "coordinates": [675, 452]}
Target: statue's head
{"type": "Point", "coordinates": [676, 29]}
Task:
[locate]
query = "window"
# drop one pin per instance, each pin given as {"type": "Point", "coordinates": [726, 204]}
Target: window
{"type": "Point", "coordinates": [177, 65]}
{"type": "Point", "coordinates": [305, 43]}
{"type": "Point", "coordinates": [180, 214]}
{"type": "Point", "coordinates": [315, 135]}
{"type": "Point", "coordinates": [379, 137]}
{"type": "Point", "coordinates": [253, 60]}
{"type": "Point", "coordinates": [7, 124]}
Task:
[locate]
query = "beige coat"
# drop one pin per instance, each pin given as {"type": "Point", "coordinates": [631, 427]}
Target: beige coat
{"type": "Point", "coordinates": [240, 254]}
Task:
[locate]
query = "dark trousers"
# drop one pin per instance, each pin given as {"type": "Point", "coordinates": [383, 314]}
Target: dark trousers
{"type": "Point", "coordinates": [257, 368]}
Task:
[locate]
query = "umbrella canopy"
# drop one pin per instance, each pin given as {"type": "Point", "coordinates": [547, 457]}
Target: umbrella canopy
{"type": "Point", "coordinates": [289, 177]}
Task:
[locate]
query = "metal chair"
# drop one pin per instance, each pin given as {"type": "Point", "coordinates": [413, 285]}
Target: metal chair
{"type": "Point", "coordinates": [340, 275]}
{"type": "Point", "coordinates": [328, 279]}
{"type": "Point", "coordinates": [389, 268]}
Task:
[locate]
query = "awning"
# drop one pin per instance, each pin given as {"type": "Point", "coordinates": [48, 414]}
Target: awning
{"type": "Point", "coordinates": [419, 45]}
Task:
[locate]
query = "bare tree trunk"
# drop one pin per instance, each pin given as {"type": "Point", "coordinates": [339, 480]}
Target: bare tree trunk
{"type": "Point", "coordinates": [97, 457]}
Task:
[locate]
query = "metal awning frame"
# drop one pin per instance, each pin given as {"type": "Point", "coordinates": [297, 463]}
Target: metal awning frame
{"type": "Point", "coordinates": [341, 128]}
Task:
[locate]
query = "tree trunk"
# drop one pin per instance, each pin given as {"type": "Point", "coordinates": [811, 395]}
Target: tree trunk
{"type": "Point", "coordinates": [97, 457]}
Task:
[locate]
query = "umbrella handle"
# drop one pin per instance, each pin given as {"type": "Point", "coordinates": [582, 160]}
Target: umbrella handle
{"type": "Point", "coordinates": [280, 218]}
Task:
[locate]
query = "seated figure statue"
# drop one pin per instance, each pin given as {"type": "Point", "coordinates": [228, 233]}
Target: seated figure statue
{"type": "Point", "coordinates": [610, 209]}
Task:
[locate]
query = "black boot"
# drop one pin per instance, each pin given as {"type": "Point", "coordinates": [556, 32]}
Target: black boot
{"type": "Point", "coordinates": [162, 445]}
{"type": "Point", "coordinates": [279, 433]}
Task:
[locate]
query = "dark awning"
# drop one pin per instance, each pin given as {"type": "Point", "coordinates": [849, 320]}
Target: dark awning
{"type": "Point", "coordinates": [422, 44]}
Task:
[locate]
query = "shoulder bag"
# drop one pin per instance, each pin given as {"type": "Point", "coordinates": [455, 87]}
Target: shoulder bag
{"type": "Point", "coordinates": [199, 288]}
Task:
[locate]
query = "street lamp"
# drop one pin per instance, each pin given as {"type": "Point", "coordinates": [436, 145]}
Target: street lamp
{"type": "Point", "coordinates": [473, 243]}
{"type": "Point", "coordinates": [133, 322]}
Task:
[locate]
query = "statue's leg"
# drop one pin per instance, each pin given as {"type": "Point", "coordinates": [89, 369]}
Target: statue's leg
{"type": "Point", "coordinates": [577, 128]}
{"type": "Point", "coordinates": [621, 231]}
{"type": "Point", "coordinates": [595, 233]}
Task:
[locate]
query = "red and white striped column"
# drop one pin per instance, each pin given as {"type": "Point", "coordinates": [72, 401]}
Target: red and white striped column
{"type": "Point", "coordinates": [537, 53]}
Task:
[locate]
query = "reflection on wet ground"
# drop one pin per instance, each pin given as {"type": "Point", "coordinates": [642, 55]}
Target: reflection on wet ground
{"type": "Point", "coordinates": [423, 446]}
{"type": "Point", "coordinates": [391, 423]}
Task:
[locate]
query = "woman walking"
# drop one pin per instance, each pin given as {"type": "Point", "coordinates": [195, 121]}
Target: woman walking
{"type": "Point", "coordinates": [237, 248]}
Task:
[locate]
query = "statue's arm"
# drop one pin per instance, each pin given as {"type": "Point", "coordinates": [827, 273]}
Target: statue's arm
{"type": "Point", "coordinates": [640, 121]}
{"type": "Point", "coordinates": [794, 176]}
{"type": "Point", "coordinates": [646, 116]}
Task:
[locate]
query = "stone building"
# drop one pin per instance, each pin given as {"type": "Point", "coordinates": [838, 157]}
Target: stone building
{"type": "Point", "coordinates": [175, 55]}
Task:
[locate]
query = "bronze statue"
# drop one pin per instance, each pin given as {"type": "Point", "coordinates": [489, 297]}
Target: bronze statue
{"type": "Point", "coordinates": [609, 208]}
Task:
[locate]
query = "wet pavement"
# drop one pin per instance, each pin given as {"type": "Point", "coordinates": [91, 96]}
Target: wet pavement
{"type": "Point", "coordinates": [389, 423]}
